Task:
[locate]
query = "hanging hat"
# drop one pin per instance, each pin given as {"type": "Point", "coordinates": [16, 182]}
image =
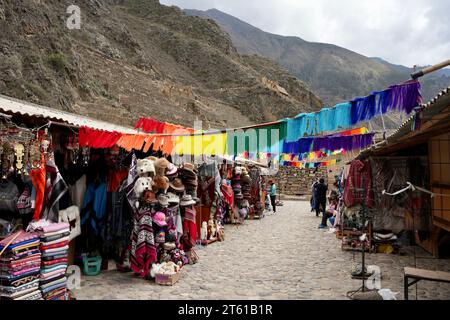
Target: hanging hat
{"type": "Point", "coordinates": [160, 219]}
{"type": "Point", "coordinates": [171, 169]}
{"type": "Point", "coordinates": [161, 166]}
{"type": "Point", "coordinates": [189, 167]}
{"type": "Point", "coordinates": [177, 185]}
{"type": "Point", "coordinates": [163, 200]}
{"type": "Point", "coordinates": [150, 196]}
{"type": "Point", "coordinates": [187, 200]}
{"type": "Point", "coordinates": [160, 183]}
{"type": "Point", "coordinates": [246, 178]}
{"type": "Point", "coordinates": [173, 198]}
{"type": "Point", "coordinates": [238, 196]}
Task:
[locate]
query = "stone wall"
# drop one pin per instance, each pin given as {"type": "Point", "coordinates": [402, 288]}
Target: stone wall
{"type": "Point", "coordinates": [295, 181]}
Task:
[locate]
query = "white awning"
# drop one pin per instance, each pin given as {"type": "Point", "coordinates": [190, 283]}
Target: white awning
{"type": "Point", "coordinates": [14, 106]}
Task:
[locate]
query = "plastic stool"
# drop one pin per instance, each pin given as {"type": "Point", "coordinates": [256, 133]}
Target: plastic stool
{"type": "Point", "coordinates": [92, 266]}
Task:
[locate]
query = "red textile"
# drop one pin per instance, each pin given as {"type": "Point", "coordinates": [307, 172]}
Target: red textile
{"type": "Point", "coordinates": [97, 138]}
{"type": "Point", "coordinates": [54, 246]}
{"type": "Point", "coordinates": [52, 262]}
{"type": "Point", "coordinates": [38, 178]}
{"type": "Point", "coordinates": [150, 125]}
{"type": "Point", "coordinates": [190, 228]}
{"type": "Point", "coordinates": [228, 194]}
{"type": "Point", "coordinates": [115, 179]}
{"type": "Point", "coordinates": [358, 188]}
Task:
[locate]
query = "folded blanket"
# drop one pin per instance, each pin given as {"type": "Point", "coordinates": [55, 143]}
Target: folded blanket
{"type": "Point", "coordinates": [57, 241]}
{"type": "Point", "coordinates": [55, 294]}
{"type": "Point", "coordinates": [59, 266]}
{"type": "Point", "coordinates": [47, 251]}
{"type": "Point", "coordinates": [18, 281]}
{"type": "Point", "coordinates": [57, 245]}
{"type": "Point", "coordinates": [18, 293]}
{"type": "Point", "coordinates": [54, 261]}
{"type": "Point", "coordinates": [21, 237]}
{"type": "Point", "coordinates": [49, 275]}
{"type": "Point", "coordinates": [16, 269]}
{"type": "Point", "coordinates": [55, 237]}
{"type": "Point", "coordinates": [56, 286]}
{"type": "Point", "coordinates": [21, 244]}
{"type": "Point", "coordinates": [53, 283]}
{"type": "Point", "coordinates": [54, 256]}
{"type": "Point", "coordinates": [12, 278]}
{"type": "Point", "coordinates": [45, 281]}
{"type": "Point", "coordinates": [16, 263]}
{"type": "Point", "coordinates": [35, 295]}
{"type": "Point", "coordinates": [20, 272]}
{"type": "Point", "coordinates": [26, 254]}
{"type": "Point", "coordinates": [25, 286]}
{"type": "Point", "coordinates": [23, 249]}
{"type": "Point", "coordinates": [53, 233]}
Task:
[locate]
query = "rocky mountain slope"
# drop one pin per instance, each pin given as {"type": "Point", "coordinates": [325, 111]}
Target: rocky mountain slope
{"type": "Point", "coordinates": [134, 58]}
{"type": "Point", "coordinates": [334, 73]}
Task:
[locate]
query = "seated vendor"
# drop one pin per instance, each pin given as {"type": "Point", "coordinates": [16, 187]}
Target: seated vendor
{"type": "Point", "coordinates": [331, 211]}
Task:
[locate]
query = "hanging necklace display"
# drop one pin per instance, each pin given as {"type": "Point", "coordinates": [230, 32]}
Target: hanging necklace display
{"type": "Point", "coordinates": [6, 159]}
{"type": "Point", "coordinates": [74, 147]}
{"type": "Point", "coordinates": [1, 157]}
{"type": "Point", "coordinates": [19, 150]}
{"type": "Point", "coordinates": [86, 156]}
{"type": "Point", "coordinates": [35, 154]}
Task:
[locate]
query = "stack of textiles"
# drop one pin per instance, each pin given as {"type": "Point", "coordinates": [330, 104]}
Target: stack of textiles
{"type": "Point", "coordinates": [20, 266]}
{"type": "Point", "coordinates": [54, 249]}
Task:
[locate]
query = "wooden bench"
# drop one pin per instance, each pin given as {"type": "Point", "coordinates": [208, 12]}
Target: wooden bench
{"type": "Point", "coordinates": [421, 274]}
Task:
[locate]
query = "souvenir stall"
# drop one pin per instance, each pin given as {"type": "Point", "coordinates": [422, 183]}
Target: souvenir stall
{"type": "Point", "coordinates": [409, 171]}
{"type": "Point", "coordinates": [34, 241]}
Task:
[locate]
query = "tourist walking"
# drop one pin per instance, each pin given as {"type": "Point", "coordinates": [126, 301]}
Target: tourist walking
{"type": "Point", "coordinates": [273, 195]}
{"type": "Point", "coordinates": [321, 196]}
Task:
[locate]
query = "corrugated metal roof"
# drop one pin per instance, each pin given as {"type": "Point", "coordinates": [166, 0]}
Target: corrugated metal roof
{"type": "Point", "coordinates": [15, 106]}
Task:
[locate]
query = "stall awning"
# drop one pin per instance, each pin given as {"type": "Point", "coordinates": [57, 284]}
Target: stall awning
{"type": "Point", "coordinates": [10, 105]}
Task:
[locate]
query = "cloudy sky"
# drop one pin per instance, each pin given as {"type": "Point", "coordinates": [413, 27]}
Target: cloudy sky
{"type": "Point", "coordinates": [402, 32]}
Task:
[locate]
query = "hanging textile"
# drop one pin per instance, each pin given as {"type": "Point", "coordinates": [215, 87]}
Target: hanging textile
{"type": "Point", "coordinates": [38, 177]}
{"type": "Point", "coordinates": [358, 187]}
{"type": "Point", "coordinates": [250, 142]}
{"type": "Point", "coordinates": [150, 125]}
{"type": "Point", "coordinates": [97, 138]}
{"type": "Point", "coordinates": [204, 144]}
{"type": "Point", "coordinates": [332, 143]}
{"type": "Point", "coordinates": [131, 142]}
{"type": "Point", "coordinates": [403, 97]}
{"type": "Point", "coordinates": [143, 250]}
{"type": "Point", "coordinates": [56, 187]}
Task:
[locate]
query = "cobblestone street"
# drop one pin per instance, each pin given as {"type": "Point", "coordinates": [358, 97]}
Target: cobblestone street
{"type": "Point", "coordinates": [283, 256]}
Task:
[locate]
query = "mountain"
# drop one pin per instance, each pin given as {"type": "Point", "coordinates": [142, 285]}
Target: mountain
{"type": "Point", "coordinates": [134, 58]}
{"type": "Point", "coordinates": [334, 73]}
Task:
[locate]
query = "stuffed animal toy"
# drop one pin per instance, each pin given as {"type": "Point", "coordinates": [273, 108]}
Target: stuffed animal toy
{"type": "Point", "coordinates": [145, 168]}
{"type": "Point", "coordinates": [211, 232]}
{"type": "Point", "coordinates": [161, 183]}
{"type": "Point", "coordinates": [204, 231]}
{"type": "Point", "coordinates": [155, 269]}
{"type": "Point", "coordinates": [142, 184]}
{"type": "Point", "coordinates": [161, 165]}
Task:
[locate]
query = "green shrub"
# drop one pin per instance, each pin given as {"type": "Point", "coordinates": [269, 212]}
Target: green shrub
{"type": "Point", "coordinates": [58, 61]}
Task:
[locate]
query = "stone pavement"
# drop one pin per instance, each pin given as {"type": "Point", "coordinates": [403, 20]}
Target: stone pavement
{"type": "Point", "coordinates": [283, 256]}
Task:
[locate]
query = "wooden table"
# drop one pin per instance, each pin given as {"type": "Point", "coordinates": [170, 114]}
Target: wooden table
{"type": "Point", "coordinates": [421, 274]}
